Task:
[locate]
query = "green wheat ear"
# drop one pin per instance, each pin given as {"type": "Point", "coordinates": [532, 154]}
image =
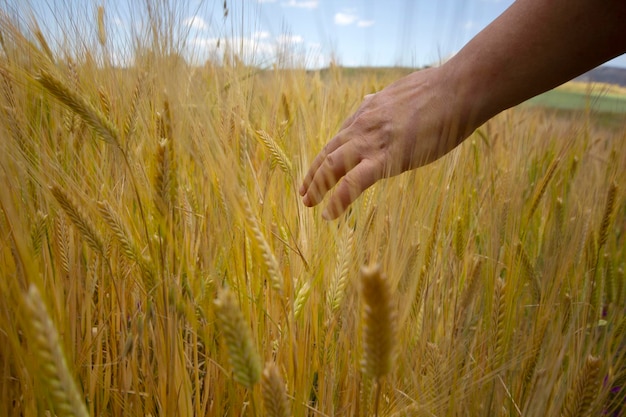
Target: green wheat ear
{"type": "Point", "coordinates": [51, 365]}
{"type": "Point", "coordinates": [242, 354]}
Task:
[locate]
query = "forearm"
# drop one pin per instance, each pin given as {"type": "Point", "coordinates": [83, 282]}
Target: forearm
{"type": "Point", "coordinates": [532, 47]}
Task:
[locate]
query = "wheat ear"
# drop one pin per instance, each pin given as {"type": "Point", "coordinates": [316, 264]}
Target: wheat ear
{"type": "Point", "coordinates": [340, 280]}
{"type": "Point", "coordinates": [379, 321]}
{"type": "Point", "coordinates": [497, 319]}
{"type": "Point", "coordinates": [543, 185]}
{"type": "Point", "coordinates": [243, 357]}
{"type": "Point", "coordinates": [274, 395]}
{"type": "Point", "coordinates": [102, 36]}
{"type": "Point", "coordinates": [302, 296]}
{"type": "Point", "coordinates": [165, 178]}
{"type": "Point", "coordinates": [39, 229]}
{"type": "Point", "coordinates": [93, 117]}
{"type": "Point", "coordinates": [459, 237]}
{"type": "Point", "coordinates": [529, 271]}
{"type": "Point", "coordinates": [608, 212]}
{"type": "Point", "coordinates": [52, 367]}
{"type": "Point", "coordinates": [277, 155]}
{"type": "Point", "coordinates": [273, 269]}
{"type": "Point", "coordinates": [470, 289]}
{"type": "Point", "coordinates": [585, 389]}
{"type": "Point", "coordinates": [131, 114]}
{"type": "Point", "coordinates": [84, 225]}
{"type": "Point", "coordinates": [530, 364]}
{"type": "Point", "coordinates": [128, 245]}
{"type": "Point", "coordinates": [433, 362]}
{"type": "Point", "coordinates": [429, 256]}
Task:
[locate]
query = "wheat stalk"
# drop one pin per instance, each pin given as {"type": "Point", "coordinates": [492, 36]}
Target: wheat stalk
{"type": "Point", "coordinates": [50, 364]}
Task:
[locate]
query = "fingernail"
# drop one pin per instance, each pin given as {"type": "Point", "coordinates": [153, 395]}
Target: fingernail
{"type": "Point", "coordinates": [301, 190]}
{"type": "Point", "coordinates": [326, 215]}
{"type": "Point", "coordinates": [306, 201]}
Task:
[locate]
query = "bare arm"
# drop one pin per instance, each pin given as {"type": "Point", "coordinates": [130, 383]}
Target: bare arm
{"type": "Point", "coordinates": [533, 46]}
{"type": "Point", "coordinates": [536, 45]}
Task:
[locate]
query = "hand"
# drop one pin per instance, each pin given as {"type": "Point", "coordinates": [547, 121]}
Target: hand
{"type": "Point", "coordinates": [408, 124]}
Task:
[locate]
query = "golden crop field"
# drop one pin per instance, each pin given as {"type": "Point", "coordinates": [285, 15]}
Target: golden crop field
{"type": "Point", "coordinates": [156, 259]}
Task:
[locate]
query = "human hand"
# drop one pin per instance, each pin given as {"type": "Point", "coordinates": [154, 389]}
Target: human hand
{"type": "Point", "coordinates": [408, 124]}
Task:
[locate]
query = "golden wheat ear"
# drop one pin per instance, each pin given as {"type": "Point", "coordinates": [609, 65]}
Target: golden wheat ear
{"type": "Point", "coordinates": [274, 395]}
{"type": "Point", "coordinates": [51, 366]}
{"type": "Point", "coordinates": [581, 395]}
{"type": "Point", "coordinates": [379, 323]}
{"type": "Point", "coordinates": [242, 354]}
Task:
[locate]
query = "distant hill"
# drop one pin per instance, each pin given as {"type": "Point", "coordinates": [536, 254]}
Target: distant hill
{"type": "Point", "coordinates": [605, 74]}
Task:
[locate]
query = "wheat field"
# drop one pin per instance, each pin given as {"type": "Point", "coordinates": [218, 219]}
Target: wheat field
{"type": "Point", "coordinates": [156, 260]}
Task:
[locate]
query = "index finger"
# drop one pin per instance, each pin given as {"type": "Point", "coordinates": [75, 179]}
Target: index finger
{"type": "Point", "coordinates": [330, 147]}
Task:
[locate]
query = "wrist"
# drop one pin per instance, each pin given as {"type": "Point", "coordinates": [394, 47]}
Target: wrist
{"type": "Point", "coordinates": [468, 104]}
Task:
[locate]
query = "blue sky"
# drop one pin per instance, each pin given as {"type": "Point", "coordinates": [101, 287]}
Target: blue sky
{"type": "Point", "coordinates": [310, 32]}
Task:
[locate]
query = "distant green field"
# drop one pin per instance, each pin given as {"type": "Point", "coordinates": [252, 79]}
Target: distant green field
{"type": "Point", "coordinates": [573, 100]}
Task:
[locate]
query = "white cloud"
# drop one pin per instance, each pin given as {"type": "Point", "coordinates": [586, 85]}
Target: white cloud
{"type": "Point", "coordinates": [365, 23]}
{"type": "Point", "coordinates": [304, 4]}
{"type": "Point", "coordinates": [289, 39]}
{"type": "Point", "coordinates": [195, 22]}
{"type": "Point", "coordinates": [262, 34]}
{"type": "Point", "coordinates": [345, 18]}
{"type": "Point", "coordinates": [259, 47]}
{"type": "Point", "coordinates": [349, 16]}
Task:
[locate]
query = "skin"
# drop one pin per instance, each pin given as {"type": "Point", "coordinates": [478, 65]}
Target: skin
{"type": "Point", "coordinates": [535, 45]}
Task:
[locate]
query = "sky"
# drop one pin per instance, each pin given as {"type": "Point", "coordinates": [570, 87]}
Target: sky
{"type": "Point", "coordinates": [312, 33]}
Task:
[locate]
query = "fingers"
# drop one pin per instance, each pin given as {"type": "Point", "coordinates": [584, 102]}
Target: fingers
{"type": "Point", "coordinates": [341, 158]}
{"type": "Point", "coordinates": [327, 171]}
{"type": "Point", "coordinates": [363, 176]}
{"type": "Point", "coordinates": [330, 147]}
